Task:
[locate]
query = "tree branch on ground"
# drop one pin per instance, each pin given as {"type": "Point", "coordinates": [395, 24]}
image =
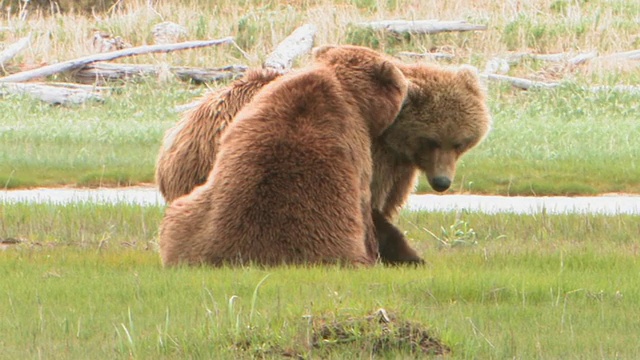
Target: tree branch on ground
{"type": "Point", "coordinates": [83, 61]}
{"type": "Point", "coordinates": [426, 55]}
{"type": "Point", "coordinates": [421, 26]}
{"type": "Point", "coordinates": [526, 84]}
{"type": "Point", "coordinates": [521, 83]}
{"type": "Point", "coordinates": [56, 95]}
{"type": "Point", "coordinates": [105, 72]}
{"type": "Point", "coordinates": [12, 50]}
{"type": "Point", "coordinates": [297, 44]}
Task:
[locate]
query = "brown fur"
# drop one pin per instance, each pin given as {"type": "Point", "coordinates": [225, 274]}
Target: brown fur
{"type": "Point", "coordinates": [291, 183]}
{"type": "Point", "coordinates": [190, 147]}
{"type": "Point", "coordinates": [444, 108]}
{"type": "Point", "coordinates": [444, 116]}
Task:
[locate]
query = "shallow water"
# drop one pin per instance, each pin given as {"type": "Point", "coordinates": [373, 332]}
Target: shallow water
{"type": "Point", "coordinates": [605, 204]}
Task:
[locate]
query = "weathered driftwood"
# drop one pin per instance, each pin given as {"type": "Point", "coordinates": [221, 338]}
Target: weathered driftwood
{"type": "Point", "coordinates": [626, 55]}
{"type": "Point", "coordinates": [520, 82]}
{"type": "Point", "coordinates": [12, 50]}
{"type": "Point", "coordinates": [105, 72]}
{"type": "Point", "coordinates": [298, 43]}
{"type": "Point", "coordinates": [582, 58]}
{"type": "Point", "coordinates": [281, 59]}
{"type": "Point", "coordinates": [574, 59]}
{"type": "Point", "coordinates": [85, 87]}
{"type": "Point", "coordinates": [526, 84]}
{"type": "Point", "coordinates": [497, 66]}
{"type": "Point", "coordinates": [80, 62]}
{"type": "Point", "coordinates": [57, 95]}
{"type": "Point", "coordinates": [618, 88]}
{"type": "Point", "coordinates": [421, 26]}
{"type": "Point", "coordinates": [557, 58]}
{"type": "Point", "coordinates": [427, 55]}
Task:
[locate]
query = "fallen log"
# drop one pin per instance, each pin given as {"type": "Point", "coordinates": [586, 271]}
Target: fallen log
{"type": "Point", "coordinates": [427, 55]}
{"type": "Point", "coordinates": [526, 84]}
{"type": "Point", "coordinates": [557, 58]}
{"type": "Point", "coordinates": [80, 62]}
{"type": "Point", "coordinates": [421, 26]}
{"type": "Point", "coordinates": [521, 83]}
{"type": "Point", "coordinates": [582, 58]}
{"type": "Point", "coordinates": [297, 44]}
{"type": "Point", "coordinates": [281, 59]}
{"type": "Point", "coordinates": [55, 95]}
{"type": "Point", "coordinates": [12, 50]}
{"type": "Point", "coordinates": [626, 55]}
{"type": "Point", "coordinates": [105, 72]}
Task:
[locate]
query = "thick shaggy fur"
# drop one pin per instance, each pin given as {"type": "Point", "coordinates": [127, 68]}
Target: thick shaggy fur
{"type": "Point", "coordinates": [445, 115]}
{"type": "Point", "coordinates": [190, 147]}
{"type": "Point", "coordinates": [291, 182]}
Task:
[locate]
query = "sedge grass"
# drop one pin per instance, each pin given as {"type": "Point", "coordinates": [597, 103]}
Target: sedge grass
{"type": "Point", "coordinates": [542, 26]}
{"type": "Point", "coordinates": [565, 141]}
{"type": "Point", "coordinates": [495, 286]}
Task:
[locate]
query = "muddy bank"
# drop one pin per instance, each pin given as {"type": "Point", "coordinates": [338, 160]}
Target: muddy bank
{"type": "Point", "coordinates": [605, 204]}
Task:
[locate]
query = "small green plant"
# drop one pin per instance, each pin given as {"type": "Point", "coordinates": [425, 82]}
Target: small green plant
{"type": "Point", "coordinates": [363, 37]}
{"type": "Point", "coordinates": [460, 233]}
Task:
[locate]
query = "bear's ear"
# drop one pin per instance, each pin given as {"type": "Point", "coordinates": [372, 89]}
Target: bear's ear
{"type": "Point", "coordinates": [468, 75]}
{"type": "Point", "coordinates": [318, 51]}
{"type": "Point", "coordinates": [388, 74]}
{"type": "Point", "coordinates": [413, 92]}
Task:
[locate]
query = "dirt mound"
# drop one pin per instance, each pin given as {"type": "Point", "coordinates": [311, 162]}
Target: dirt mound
{"type": "Point", "coordinates": [381, 331]}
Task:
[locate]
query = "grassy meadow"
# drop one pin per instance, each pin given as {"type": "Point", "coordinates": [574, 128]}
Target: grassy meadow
{"type": "Point", "coordinates": [84, 280]}
{"type": "Point", "coordinates": [568, 140]}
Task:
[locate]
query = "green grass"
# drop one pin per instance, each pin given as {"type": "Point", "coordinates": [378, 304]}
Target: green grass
{"type": "Point", "coordinates": [567, 141]}
{"type": "Point", "coordinates": [87, 283]}
{"type": "Point", "coordinates": [563, 141]}
{"type": "Point", "coordinates": [114, 143]}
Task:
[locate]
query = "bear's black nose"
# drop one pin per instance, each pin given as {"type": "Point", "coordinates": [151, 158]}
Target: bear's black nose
{"type": "Point", "coordinates": [440, 183]}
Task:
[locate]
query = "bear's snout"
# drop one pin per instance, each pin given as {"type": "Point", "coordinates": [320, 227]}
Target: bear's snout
{"type": "Point", "coordinates": [440, 183]}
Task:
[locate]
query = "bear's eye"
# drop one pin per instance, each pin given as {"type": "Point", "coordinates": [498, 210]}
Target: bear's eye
{"type": "Point", "coordinates": [462, 146]}
{"type": "Point", "coordinates": [429, 144]}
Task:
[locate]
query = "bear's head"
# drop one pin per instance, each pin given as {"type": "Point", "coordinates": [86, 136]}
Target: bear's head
{"type": "Point", "coordinates": [444, 116]}
{"type": "Point", "coordinates": [375, 85]}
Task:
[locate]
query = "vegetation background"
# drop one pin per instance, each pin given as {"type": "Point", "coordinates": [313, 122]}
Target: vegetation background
{"type": "Point", "coordinates": [569, 140]}
{"type": "Point", "coordinates": [84, 280]}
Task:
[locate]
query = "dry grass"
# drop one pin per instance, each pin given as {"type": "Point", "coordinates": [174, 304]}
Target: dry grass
{"type": "Point", "coordinates": [547, 26]}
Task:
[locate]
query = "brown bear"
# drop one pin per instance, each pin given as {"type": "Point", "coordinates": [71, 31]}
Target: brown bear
{"type": "Point", "coordinates": [444, 116]}
{"type": "Point", "coordinates": [189, 150]}
{"type": "Point", "coordinates": [291, 182]}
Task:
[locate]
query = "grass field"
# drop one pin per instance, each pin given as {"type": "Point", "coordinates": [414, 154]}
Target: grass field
{"type": "Point", "coordinates": [86, 282]}
{"type": "Point", "coordinates": [563, 141]}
